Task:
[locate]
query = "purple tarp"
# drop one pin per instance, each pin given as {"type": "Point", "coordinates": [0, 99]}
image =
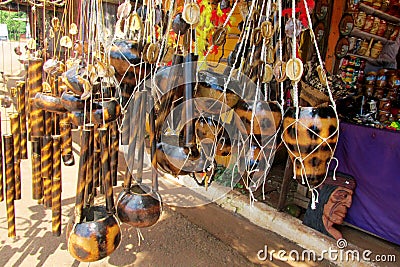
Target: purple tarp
{"type": "Point", "coordinates": [372, 157]}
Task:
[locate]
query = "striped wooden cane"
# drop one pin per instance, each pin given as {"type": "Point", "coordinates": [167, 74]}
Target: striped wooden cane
{"type": "Point", "coordinates": [80, 189]}
{"type": "Point", "coordinates": [16, 133]}
{"type": "Point", "coordinates": [114, 150]}
{"type": "Point", "coordinates": [22, 113]}
{"type": "Point", "coordinates": [35, 80]}
{"type": "Point", "coordinates": [56, 186]}
{"type": "Point", "coordinates": [89, 195]}
{"type": "Point", "coordinates": [37, 185]}
{"type": "Point", "coordinates": [66, 140]}
{"type": "Point", "coordinates": [10, 183]}
{"type": "Point", "coordinates": [46, 160]}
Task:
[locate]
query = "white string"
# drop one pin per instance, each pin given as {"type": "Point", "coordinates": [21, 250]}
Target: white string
{"type": "Point", "coordinates": [318, 54]}
{"type": "Point", "coordinates": [246, 32]}
{"type": "Point", "coordinates": [140, 236]}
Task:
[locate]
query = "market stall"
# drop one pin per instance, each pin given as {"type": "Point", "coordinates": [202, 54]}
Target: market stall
{"type": "Point", "coordinates": [202, 90]}
{"type": "Point", "coordinates": [372, 157]}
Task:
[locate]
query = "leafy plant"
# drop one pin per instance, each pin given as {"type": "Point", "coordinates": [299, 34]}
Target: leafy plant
{"type": "Point", "coordinates": [15, 27]}
{"type": "Point", "coordinates": [224, 176]}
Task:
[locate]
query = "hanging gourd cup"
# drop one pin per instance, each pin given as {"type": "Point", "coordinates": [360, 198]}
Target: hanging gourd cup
{"type": "Point", "coordinates": [252, 164]}
{"type": "Point", "coordinates": [109, 110]}
{"type": "Point", "coordinates": [211, 133]}
{"type": "Point", "coordinates": [125, 57]}
{"type": "Point", "coordinates": [49, 102]}
{"type": "Point", "coordinates": [266, 117]}
{"type": "Point", "coordinates": [139, 207]}
{"type": "Point", "coordinates": [210, 90]}
{"type": "Point", "coordinates": [311, 141]}
{"type": "Point", "coordinates": [72, 101]}
{"type": "Point", "coordinates": [75, 78]}
{"type": "Point", "coordinates": [184, 158]}
{"type": "Point", "coordinates": [93, 233]}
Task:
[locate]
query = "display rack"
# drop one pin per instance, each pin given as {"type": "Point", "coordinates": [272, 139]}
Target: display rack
{"type": "Point", "coordinates": [369, 59]}
{"type": "Point", "coordinates": [375, 12]}
{"type": "Point", "coordinates": [368, 36]}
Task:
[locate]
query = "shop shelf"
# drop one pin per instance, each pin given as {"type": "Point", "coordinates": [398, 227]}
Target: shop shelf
{"type": "Point", "coordinates": [368, 36]}
{"type": "Point", "coordinates": [369, 59]}
{"type": "Point", "coordinates": [375, 12]}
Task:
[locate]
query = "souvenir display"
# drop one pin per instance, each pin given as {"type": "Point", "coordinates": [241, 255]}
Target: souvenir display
{"type": "Point", "coordinates": [185, 89]}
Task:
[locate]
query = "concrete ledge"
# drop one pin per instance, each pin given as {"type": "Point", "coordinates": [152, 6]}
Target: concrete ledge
{"type": "Point", "coordinates": [289, 227]}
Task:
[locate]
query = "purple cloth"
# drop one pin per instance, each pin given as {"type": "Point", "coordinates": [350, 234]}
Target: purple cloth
{"type": "Point", "coordinates": [372, 157]}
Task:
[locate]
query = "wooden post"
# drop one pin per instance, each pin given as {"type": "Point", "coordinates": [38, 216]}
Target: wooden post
{"type": "Point", "coordinates": [285, 184]}
{"type": "Point", "coordinates": [338, 7]}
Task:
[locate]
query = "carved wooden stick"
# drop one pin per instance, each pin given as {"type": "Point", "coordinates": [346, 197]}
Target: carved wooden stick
{"type": "Point", "coordinates": [89, 197]}
{"type": "Point", "coordinates": [56, 186]}
{"type": "Point", "coordinates": [10, 183]}
{"type": "Point", "coordinates": [96, 159]}
{"type": "Point", "coordinates": [114, 149]}
{"type": "Point", "coordinates": [66, 140]}
{"type": "Point", "coordinates": [37, 185]}
{"type": "Point", "coordinates": [35, 67]}
{"type": "Point", "coordinates": [106, 172]}
{"type": "Point", "coordinates": [80, 189]}
{"type": "Point", "coordinates": [22, 113]}
{"type": "Point", "coordinates": [16, 133]}
{"type": "Point", "coordinates": [46, 159]}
